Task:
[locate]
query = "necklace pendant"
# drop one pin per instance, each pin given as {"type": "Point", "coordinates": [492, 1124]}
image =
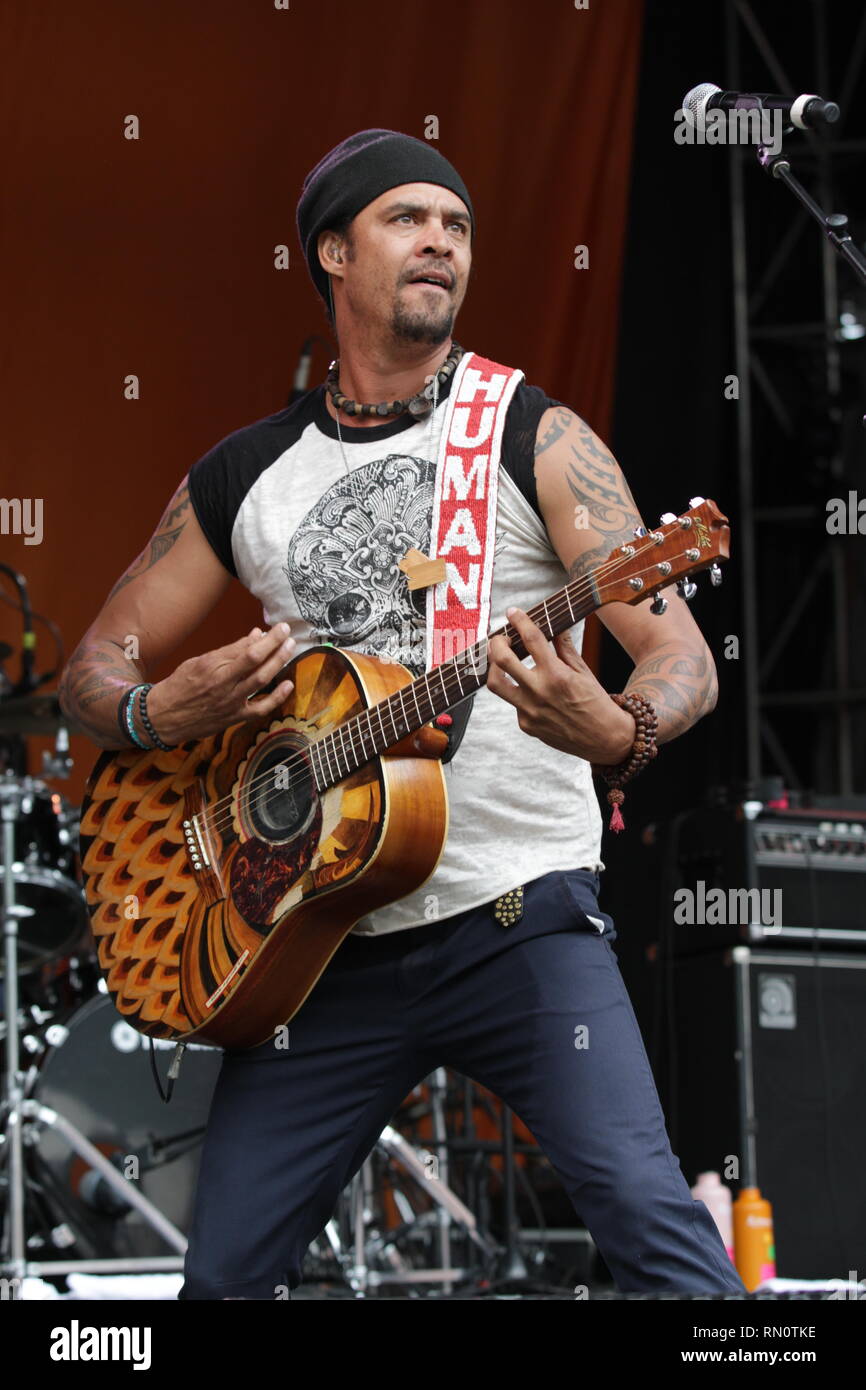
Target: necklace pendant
{"type": "Point", "coordinates": [419, 406]}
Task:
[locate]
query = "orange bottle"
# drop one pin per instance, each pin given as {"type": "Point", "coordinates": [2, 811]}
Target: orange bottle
{"type": "Point", "coordinates": [754, 1245]}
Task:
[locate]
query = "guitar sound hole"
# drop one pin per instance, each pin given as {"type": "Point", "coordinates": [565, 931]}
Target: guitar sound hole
{"type": "Point", "coordinates": [280, 798]}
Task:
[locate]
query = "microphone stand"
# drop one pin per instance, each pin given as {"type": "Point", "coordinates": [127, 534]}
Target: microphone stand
{"type": "Point", "coordinates": [834, 224]}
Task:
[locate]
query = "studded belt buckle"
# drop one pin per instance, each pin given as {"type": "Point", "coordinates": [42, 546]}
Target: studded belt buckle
{"type": "Point", "coordinates": [508, 909]}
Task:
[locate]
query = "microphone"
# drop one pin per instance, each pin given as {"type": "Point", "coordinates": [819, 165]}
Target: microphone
{"type": "Point", "coordinates": [806, 112]}
{"type": "Point", "coordinates": [97, 1194]}
{"type": "Point", "coordinates": [100, 1196]}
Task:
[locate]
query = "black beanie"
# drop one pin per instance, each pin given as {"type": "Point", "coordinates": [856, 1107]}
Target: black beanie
{"type": "Point", "coordinates": [358, 171]}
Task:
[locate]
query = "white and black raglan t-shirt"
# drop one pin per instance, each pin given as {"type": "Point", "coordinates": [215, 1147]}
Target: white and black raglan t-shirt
{"type": "Point", "coordinates": [319, 546]}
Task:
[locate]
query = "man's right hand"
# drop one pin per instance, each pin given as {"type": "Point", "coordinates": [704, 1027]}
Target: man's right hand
{"type": "Point", "coordinates": [208, 693]}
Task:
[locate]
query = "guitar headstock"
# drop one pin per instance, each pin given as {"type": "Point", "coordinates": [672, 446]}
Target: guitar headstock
{"type": "Point", "coordinates": [674, 550]}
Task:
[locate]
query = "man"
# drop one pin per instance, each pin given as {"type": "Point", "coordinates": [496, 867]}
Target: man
{"type": "Point", "coordinates": [311, 509]}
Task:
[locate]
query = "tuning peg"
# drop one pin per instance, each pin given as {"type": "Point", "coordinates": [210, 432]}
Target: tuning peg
{"type": "Point", "coordinates": [715, 576]}
{"type": "Point", "coordinates": [639, 532]}
{"type": "Point", "coordinates": [659, 605]}
{"type": "Point", "coordinates": [687, 589]}
{"type": "Point", "coordinates": [696, 501]}
{"type": "Point", "coordinates": [666, 518]}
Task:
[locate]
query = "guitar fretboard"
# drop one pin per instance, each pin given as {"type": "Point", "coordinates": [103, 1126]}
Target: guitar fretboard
{"type": "Point", "coordinates": [374, 730]}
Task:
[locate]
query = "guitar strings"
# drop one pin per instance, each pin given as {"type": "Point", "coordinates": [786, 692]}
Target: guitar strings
{"type": "Point", "coordinates": [583, 589]}
{"type": "Point", "coordinates": [215, 821]}
{"type": "Point", "coordinates": [216, 818]}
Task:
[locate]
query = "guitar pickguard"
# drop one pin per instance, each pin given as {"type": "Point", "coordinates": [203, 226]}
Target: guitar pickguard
{"type": "Point", "coordinates": [278, 818]}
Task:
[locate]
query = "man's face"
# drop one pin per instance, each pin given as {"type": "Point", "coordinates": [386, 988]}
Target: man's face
{"type": "Point", "coordinates": [413, 230]}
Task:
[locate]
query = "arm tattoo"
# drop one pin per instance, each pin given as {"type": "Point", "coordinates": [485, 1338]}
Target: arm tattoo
{"type": "Point", "coordinates": [99, 670]}
{"type": "Point", "coordinates": [555, 430]}
{"type": "Point", "coordinates": [596, 483]}
{"type": "Point", "coordinates": [590, 558]}
{"type": "Point", "coordinates": [164, 537]}
{"type": "Point", "coordinates": [679, 680]}
{"type": "Point", "coordinates": [682, 685]}
{"type": "Point", "coordinates": [97, 673]}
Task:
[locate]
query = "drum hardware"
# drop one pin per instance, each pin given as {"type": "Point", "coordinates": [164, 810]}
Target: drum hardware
{"type": "Point", "coordinates": [50, 905]}
{"type": "Point", "coordinates": [59, 763]}
{"type": "Point", "coordinates": [364, 1249]}
{"type": "Point", "coordinates": [78, 1192]}
{"type": "Point", "coordinates": [47, 1031]}
{"type": "Point", "coordinates": [431, 1171]}
{"type": "Point", "coordinates": [31, 1126]}
{"type": "Point", "coordinates": [31, 714]}
{"type": "Point", "coordinates": [14, 1228]}
{"type": "Point", "coordinates": [374, 1254]}
{"type": "Point", "coordinates": [125, 1190]}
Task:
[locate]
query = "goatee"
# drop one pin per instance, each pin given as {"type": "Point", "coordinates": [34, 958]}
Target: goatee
{"type": "Point", "coordinates": [421, 328]}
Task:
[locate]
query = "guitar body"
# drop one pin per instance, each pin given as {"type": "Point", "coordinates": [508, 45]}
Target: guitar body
{"type": "Point", "coordinates": [217, 893]}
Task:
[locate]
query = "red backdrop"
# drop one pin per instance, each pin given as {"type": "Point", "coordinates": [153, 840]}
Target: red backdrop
{"type": "Point", "coordinates": [155, 256]}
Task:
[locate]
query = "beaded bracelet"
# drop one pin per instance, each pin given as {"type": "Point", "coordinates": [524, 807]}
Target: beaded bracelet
{"type": "Point", "coordinates": [643, 751]}
{"type": "Point", "coordinates": [130, 723]}
{"type": "Point", "coordinates": [121, 716]}
{"type": "Point", "coordinates": [144, 691]}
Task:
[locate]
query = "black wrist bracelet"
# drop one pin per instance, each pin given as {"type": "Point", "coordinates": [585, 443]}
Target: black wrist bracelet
{"type": "Point", "coordinates": [145, 719]}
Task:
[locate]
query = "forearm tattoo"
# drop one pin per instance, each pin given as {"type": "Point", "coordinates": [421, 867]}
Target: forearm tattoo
{"type": "Point", "coordinates": [98, 671]}
{"type": "Point", "coordinates": [681, 684]}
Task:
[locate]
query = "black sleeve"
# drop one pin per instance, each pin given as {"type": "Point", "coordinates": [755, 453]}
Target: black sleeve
{"type": "Point", "coordinates": [211, 490]}
{"type": "Point", "coordinates": [528, 404]}
{"type": "Point", "coordinates": [220, 480]}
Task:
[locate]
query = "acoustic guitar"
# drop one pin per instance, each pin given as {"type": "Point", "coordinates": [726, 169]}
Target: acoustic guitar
{"type": "Point", "coordinates": [222, 875]}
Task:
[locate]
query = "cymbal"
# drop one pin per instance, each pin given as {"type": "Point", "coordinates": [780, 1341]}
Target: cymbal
{"type": "Point", "coordinates": [31, 714]}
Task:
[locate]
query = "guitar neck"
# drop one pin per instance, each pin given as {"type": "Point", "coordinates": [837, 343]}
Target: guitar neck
{"type": "Point", "coordinates": [375, 730]}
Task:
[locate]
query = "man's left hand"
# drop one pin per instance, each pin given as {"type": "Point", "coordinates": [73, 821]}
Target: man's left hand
{"type": "Point", "coordinates": [559, 700]}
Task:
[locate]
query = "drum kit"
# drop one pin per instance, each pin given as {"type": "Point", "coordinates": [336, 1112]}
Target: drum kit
{"type": "Point", "coordinates": [97, 1174]}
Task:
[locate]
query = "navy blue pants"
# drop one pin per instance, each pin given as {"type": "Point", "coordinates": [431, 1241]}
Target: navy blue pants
{"type": "Point", "coordinates": [537, 1012]}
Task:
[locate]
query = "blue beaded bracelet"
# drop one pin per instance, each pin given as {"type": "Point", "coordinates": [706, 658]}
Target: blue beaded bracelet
{"type": "Point", "coordinates": [121, 721]}
{"type": "Point", "coordinates": [129, 720]}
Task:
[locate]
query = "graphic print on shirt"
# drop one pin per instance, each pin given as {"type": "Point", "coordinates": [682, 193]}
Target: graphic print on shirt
{"type": "Point", "coordinates": [343, 558]}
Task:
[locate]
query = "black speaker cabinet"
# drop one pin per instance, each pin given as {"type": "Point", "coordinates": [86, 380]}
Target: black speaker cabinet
{"type": "Point", "coordinates": [767, 1066]}
{"type": "Point", "coordinates": [786, 877]}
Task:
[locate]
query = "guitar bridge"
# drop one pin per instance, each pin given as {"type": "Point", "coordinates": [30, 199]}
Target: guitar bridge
{"type": "Point", "coordinates": [200, 849]}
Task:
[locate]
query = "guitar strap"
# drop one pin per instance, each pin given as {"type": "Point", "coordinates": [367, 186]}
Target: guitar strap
{"type": "Point", "coordinates": [463, 529]}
